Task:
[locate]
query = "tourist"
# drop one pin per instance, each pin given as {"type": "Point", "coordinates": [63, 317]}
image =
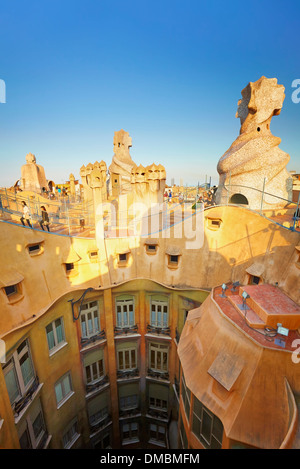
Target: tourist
{"type": "Point", "coordinates": [26, 215]}
{"type": "Point", "coordinates": [170, 196]}
{"type": "Point", "coordinates": [45, 218]}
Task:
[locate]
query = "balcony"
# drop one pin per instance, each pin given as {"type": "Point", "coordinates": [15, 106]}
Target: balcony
{"type": "Point", "coordinates": [128, 374]}
{"type": "Point", "coordinates": [158, 330]}
{"type": "Point", "coordinates": [26, 399]}
{"type": "Point", "coordinates": [158, 414]}
{"type": "Point", "coordinates": [123, 331]}
{"type": "Point", "coordinates": [101, 424]}
{"type": "Point", "coordinates": [127, 413]}
{"type": "Point", "coordinates": [97, 386]}
{"type": "Point", "coordinates": [160, 375]}
{"type": "Point", "coordinates": [85, 341]}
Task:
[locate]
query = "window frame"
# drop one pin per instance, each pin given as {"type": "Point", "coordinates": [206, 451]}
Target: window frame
{"type": "Point", "coordinates": [95, 314]}
{"type": "Point", "coordinates": [13, 364]}
{"type": "Point", "coordinates": [122, 351]}
{"type": "Point", "coordinates": [154, 321]}
{"type": "Point", "coordinates": [57, 344]}
{"type": "Point", "coordinates": [65, 395]}
{"type": "Point", "coordinates": [160, 349]}
{"type": "Point", "coordinates": [121, 303]}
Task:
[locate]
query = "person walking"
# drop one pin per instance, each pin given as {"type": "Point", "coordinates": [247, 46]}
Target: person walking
{"type": "Point", "coordinates": [26, 215]}
{"type": "Point", "coordinates": [45, 218]}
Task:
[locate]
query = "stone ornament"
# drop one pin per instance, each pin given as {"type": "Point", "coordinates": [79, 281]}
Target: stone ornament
{"type": "Point", "coordinates": [255, 160]}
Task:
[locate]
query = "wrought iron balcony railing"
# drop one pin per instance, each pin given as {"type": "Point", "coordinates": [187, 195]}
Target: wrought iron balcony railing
{"type": "Point", "coordinates": [21, 403]}
{"type": "Point", "coordinates": [158, 330]}
{"type": "Point", "coordinates": [129, 412]}
{"type": "Point", "coordinates": [95, 427]}
{"type": "Point", "coordinates": [126, 374]}
{"type": "Point", "coordinates": [126, 330]}
{"type": "Point", "coordinates": [90, 387]}
{"type": "Point", "coordinates": [89, 340]}
{"type": "Point", "coordinates": [158, 414]}
{"type": "Point", "coordinates": [158, 374]}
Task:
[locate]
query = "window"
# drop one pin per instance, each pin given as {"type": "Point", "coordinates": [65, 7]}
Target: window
{"type": "Point", "coordinates": [157, 433]}
{"type": "Point", "coordinates": [19, 373]}
{"type": "Point", "coordinates": [206, 426]}
{"type": "Point", "coordinates": [159, 313]}
{"type": "Point", "coordinates": [98, 416]}
{"type": "Point", "coordinates": [151, 248]}
{"type": "Point", "coordinates": [69, 267]}
{"type": "Point", "coordinates": [94, 372]}
{"type": "Point", "coordinates": [122, 257]}
{"type": "Point", "coordinates": [254, 280]}
{"type": "Point", "coordinates": [130, 432]}
{"type": "Point", "coordinates": [36, 248]}
{"type": "Point", "coordinates": [11, 290]}
{"type": "Point", "coordinates": [127, 359]}
{"type": "Point", "coordinates": [174, 259]}
{"type": "Point", "coordinates": [125, 312]}
{"type": "Point", "coordinates": [71, 435]}
{"type": "Point", "coordinates": [214, 223]}
{"type": "Point", "coordinates": [55, 334]}
{"type": "Point", "coordinates": [157, 403]}
{"type": "Point", "coordinates": [89, 319]}
{"type": "Point", "coordinates": [63, 389]}
{"type": "Point", "coordinates": [129, 402]}
{"type": "Point", "coordinates": [186, 397]}
{"type": "Point", "coordinates": [158, 357]}
{"type": "Point", "coordinates": [32, 428]}
{"type": "Point", "coordinates": [103, 442]}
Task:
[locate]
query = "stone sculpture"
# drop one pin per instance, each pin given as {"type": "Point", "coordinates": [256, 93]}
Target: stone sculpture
{"type": "Point", "coordinates": [122, 164]}
{"type": "Point", "coordinates": [254, 160]}
{"type": "Point", "coordinates": [33, 175]}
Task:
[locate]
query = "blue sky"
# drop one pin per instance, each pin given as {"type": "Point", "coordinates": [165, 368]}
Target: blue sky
{"type": "Point", "coordinates": [168, 72]}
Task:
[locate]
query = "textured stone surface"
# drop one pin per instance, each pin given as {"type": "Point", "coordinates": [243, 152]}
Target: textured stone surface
{"type": "Point", "coordinates": [122, 163]}
{"type": "Point", "coordinates": [32, 175]}
{"type": "Point", "coordinates": [254, 159]}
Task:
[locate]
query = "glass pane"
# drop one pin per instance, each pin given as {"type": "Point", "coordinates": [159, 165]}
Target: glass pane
{"type": "Point", "coordinates": [90, 323]}
{"type": "Point", "coordinates": [83, 326]}
{"type": "Point", "coordinates": [38, 425]}
{"type": "Point", "coordinates": [121, 364]}
{"type": "Point", "coordinates": [152, 359]}
{"type": "Point", "coordinates": [66, 385]}
{"type": "Point", "coordinates": [206, 426]}
{"type": "Point", "coordinates": [133, 361]}
{"type": "Point", "coordinates": [127, 362]}
{"type": "Point", "coordinates": [59, 330]}
{"type": "Point", "coordinates": [12, 385]}
{"type": "Point", "coordinates": [50, 336]}
{"type": "Point", "coordinates": [25, 441]}
{"type": "Point", "coordinates": [196, 425]}
{"type": "Point", "coordinates": [95, 371]}
{"type": "Point", "coordinates": [217, 429]}
{"type": "Point", "coordinates": [96, 322]}
{"type": "Point", "coordinates": [165, 362]}
{"type": "Point", "coordinates": [26, 368]}
{"type": "Point", "coordinates": [153, 317]}
{"type": "Point", "coordinates": [131, 317]}
{"type": "Point", "coordinates": [58, 393]}
{"type": "Point", "coordinates": [88, 374]}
